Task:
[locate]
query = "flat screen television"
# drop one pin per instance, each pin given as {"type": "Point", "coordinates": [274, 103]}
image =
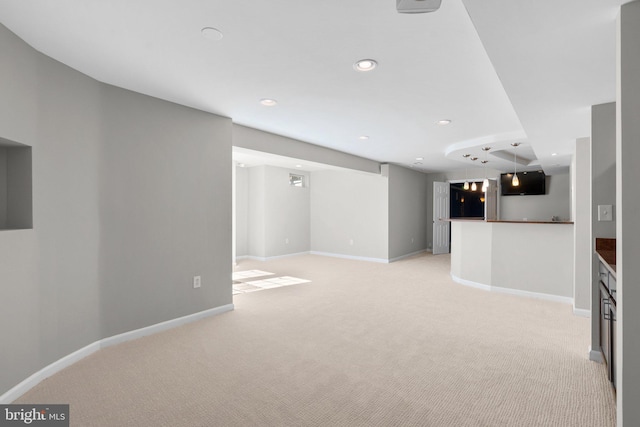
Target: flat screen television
{"type": "Point", "coordinates": [531, 183]}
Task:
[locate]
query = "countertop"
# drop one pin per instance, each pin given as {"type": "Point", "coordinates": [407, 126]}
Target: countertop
{"type": "Point", "coordinates": [606, 250]}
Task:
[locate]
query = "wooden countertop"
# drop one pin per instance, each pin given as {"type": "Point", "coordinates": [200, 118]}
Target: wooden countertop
{"type": "Point", "coordinates": [606, 250]}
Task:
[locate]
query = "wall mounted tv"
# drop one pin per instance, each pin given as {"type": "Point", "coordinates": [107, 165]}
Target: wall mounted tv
{"type": "Point", "coordinates": [531, 183]}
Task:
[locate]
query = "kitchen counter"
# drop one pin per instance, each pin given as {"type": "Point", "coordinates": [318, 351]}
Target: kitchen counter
{"type": "Point", "coordinates": [606, 251]}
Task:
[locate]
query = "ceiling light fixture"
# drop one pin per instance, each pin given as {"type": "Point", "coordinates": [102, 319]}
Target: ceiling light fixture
{"type": "Point", "coordinates": [268, 102]}
{"type": "Point", "coordinates": [485, 183]}
{"type": "Point", "coordinates": [365, 65]}
{"type": "Point", "coordinates": [554, 154]}
{"type": "Point", "coordinates": [474, 187]}
{"type": "Point", "coordinates": [515, 182]}
{"type": "Point", "coordinates": [419, 158]}
{"type": "Point", "coordinates": [466, 181]}
{"type": "Point", "coordinates": [298, 166]}
{"type": "Point", "coordinates": [241, 165]}
{"type": "Point", "coordinates": [212, 33]}
{"type": "Point", "coordinates": [363, 137]}
{"type": "Point", "coordinates": [443, 122]}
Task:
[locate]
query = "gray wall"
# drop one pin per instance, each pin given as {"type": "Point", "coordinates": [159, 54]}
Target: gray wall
{"type": "Point", "coordinates": [278, 214]}
{"type": "Point", "coordinates": [242, 211]}
{"type": "Point", "coordinates": [165, 210]}
{"type": "Point", "coordinates": [407, 211]}
{"type": "Point", "coordinates": [628, 206]}
{"type": "Point", "coordinates": [50, 287]}
{"type": "Point", "coordinates": [603, 166]}
{"type": "Point", "coordinates": [131, 197]}
{"type": "Point", "coordinates": [3, 188]}
{"type": "Point", "coordinates": [582, 247]}
{"type": "Point", "coordinates": [556, 202]}
{"type": "Point", "coordinates": [256, 226]}
{"type": "Point", "coordinates": [350, 206]}
{"type": "Point", "coordinates": [286, 213]}
{"type": "Point", "coordinates": [258, 140]}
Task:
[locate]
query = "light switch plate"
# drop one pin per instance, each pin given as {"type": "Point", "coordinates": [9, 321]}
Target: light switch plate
{"type": "Point", "coordinates": [605, 212]}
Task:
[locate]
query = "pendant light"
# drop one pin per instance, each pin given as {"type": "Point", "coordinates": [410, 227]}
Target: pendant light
{"type": "Point", "coordinates": [485, 183]}
{"type": "Point", "coordinates": [474, 187]}
{"type": "Point", "coordinates": [466, 181]}
{"type": "Point", "coordinates": [515, 182]}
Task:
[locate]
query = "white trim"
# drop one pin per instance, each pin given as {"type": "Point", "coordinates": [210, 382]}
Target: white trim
{"type": "Point", "coordinates": [398, 258]}
{"type": "Point", "coordinates": [271, 258]}
{"type": "Point", "coordinates": [510, 291]}
{"type": "Point", "coordinates": [595, 356]}
{"type": "Point", "coordinates": [357, 258]}
{"type": "Point", "coordinates": [68, 360]}
{"type": "Point", "coordinates": [582, 312]}
{"type": "Point", "coordinates": [49, 370]}
{"type": "Point", "coordinates": [163, 326]}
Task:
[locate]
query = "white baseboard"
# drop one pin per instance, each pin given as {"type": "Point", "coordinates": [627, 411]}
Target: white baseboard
{"type": "Point", "coordinates": [163, 326]}
{"type": "Point", "coordinates": [595, 355]}
{"type": "Point", "coordinates": [357, 258]}
{"type": "Point", "coordinates": [582, 312]}
{"type": "Point", "coordinates": [49, 370]}
{"type": "Point", "coordinates": [398, 258]}
{"type": "Point", "coordinates": [68, 360]}
{"type": "Point", "coordinates": [271, 258]}
{"type": "Point", "coordinates": [528, 294]}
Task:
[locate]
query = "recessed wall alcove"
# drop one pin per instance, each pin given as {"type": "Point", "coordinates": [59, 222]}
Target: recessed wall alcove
{"type": "Point", "coordinates": [16, 204]}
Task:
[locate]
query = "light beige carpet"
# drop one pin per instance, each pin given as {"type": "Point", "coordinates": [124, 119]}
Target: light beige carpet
{"type": "Point", "coordinates": [363, 344]}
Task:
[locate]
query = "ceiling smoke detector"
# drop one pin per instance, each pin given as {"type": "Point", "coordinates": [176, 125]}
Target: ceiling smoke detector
{"type": "Point", "coordinates": [417, 6]}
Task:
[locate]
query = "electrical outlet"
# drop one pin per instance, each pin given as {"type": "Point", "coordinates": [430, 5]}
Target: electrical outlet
{"type": "Point", "coordinates": [197, 281]}
{"type": "Point", "coordinates": [351, 242]}
{"type": "Point", "coordinates": [413, 239]}
{"type": "Point", "coordinates": [286, 241]}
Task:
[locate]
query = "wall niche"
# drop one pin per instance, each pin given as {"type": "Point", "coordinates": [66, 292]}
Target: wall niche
{"type": "Point", "coordinates": [16, 201]}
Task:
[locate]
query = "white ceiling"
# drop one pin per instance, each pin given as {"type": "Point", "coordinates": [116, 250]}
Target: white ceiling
{"type": "Point", "coordinates": [502, 71]}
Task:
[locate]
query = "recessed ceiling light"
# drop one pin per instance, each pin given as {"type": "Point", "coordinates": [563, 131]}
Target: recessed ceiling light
{"type": "Point", "coordinates": [419, 158]}
{"type": "Point", "coordinates": [554, 154]}
{"type": "Point", "coordinates": [443, 122]}
{"type": "Point", "coordinates": [212, 33]}
{"type": "Point", "coordinates": [417, 163]}
{"type": "Point", "coordinates": [298, 166]}
{"type": "Point", "coordinates": [241, 165]}
{"type": "Point", "coordinates": [268, 102]}
{"type": "Point", "coordinates": [365, 65]}
{"type": "Point", "coordinates": [363, 137]}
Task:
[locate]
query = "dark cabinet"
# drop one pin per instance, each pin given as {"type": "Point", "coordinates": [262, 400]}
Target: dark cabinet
{"type": "Point", "coordinates": [608, 321]}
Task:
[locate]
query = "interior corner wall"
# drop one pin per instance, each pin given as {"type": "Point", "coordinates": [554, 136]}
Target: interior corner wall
{"type": "Point", "coordinates": [287, 216]}
{"type": "Point", "coordinates": [131, 198]}
{"type": "Point", "coordinates": [582, 240]}
{"type": "Point", "coordinates": [242, 211]}
{"type": "Point", "coordinates": [407, 211]}
{"type": "Point", "coordinates": [165, 211]}
{"type": "Point", "coordinates": [256, 215]}
{"type": "Point", "coordinates": [350, 214]}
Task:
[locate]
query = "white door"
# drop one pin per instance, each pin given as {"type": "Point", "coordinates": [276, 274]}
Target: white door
{"type": "Point", "coordinates": [441, 226]}
{"type": "Point", "coordinates": [491, 201]}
